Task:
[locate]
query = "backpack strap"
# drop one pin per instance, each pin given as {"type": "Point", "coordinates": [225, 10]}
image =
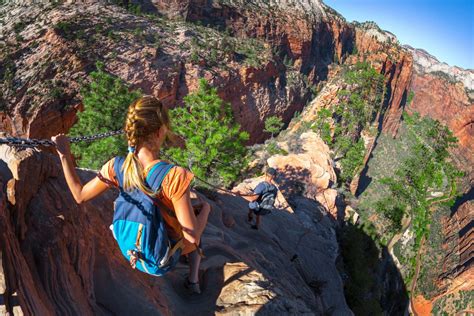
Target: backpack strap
{"type": "Point", "coordinates": [157, 174]}
{"type": "Point", "coordinates": [118, 163]}
{"type": "Point", "coordinates": [154, 177]}
{"type": "Point", "coordinates": [268, 188]}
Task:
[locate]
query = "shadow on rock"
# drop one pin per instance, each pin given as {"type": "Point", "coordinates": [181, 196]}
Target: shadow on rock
{"type": "Point", "coordinates": [373, 284]}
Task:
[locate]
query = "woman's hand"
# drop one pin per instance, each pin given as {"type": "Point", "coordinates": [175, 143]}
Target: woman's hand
{"type": "Point", "coordinates": [80, 193]}
{"type": "Point", "coordinates": [62, 145]}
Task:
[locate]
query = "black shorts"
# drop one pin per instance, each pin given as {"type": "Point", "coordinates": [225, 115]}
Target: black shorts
{"type": "Point", "coordinates": [261, 211]}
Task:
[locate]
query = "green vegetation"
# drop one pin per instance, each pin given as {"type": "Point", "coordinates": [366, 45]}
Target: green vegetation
{"type": "Point", "coordinates": [288, 62]}
{"type": "Point", "coordinates": [393, 210]}
{"type": "Point", "coordinates": [106, 99]}
{"type": "Point", "coordinates": [216, 48]}
{"type": "Point", "coordinates": [56, 89]}
{"type": "Point", "coordinates": [19, 26]}
{"type": "Point", "coordinates": [322, 125]}
{"type": "Point", "coordinates": [356, 110]}
{"type": "Point", "coordinates": [352, 160]}
{"type": "Point", "coordinates": [454, 304]}
{"type": "Point", "coordinates": [65, 28]}
{"type": "Point", "coordinates": [431, 268]}
{"type": "Point", "coordinates": [252, 49]}
{"type": "Point", "coordinates": [7, 71]}
{"type": "Point", "coordinates": [133, 8]}
{"type": "Point", "coordinates": [214, 143]}
{"type": "Point", "coordinates": [410, 97]}
{"type": "Point", "coordinates": [215, 148]}
{"type": "Point", "coordinates": [273, 125]}
{"type": "Point", "coordinates": [427, 169]}
{"type": "Point", "coordinates": [273, 149]}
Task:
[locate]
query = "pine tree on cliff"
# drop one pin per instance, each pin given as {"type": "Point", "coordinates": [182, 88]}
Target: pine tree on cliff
{"type": "Point", "coordinates": [273, 125]}
{"type": "Point", "coordinates": [105, 101]}
{"type": "Point", "coordinates": [214, 143]}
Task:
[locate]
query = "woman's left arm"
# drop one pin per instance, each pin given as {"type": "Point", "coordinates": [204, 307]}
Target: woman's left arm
{"type": "Point", "coordinates": [80, 193]}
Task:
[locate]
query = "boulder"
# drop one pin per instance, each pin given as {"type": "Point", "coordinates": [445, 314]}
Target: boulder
{"type": "Point", "coordinates": [61, 258]}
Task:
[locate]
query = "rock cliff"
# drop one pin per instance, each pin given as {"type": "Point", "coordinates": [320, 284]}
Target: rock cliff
{"type": "Point", "coordinates": [61, 258]}
{"type": "Point", "coordinates": [266, 58]}
{"type": "Point", "coordinates": [445, 93]}
{"type": "Point", "coordinates": [261, 63]}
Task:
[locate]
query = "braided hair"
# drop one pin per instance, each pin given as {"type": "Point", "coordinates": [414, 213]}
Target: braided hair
{"type": "Point", "coordinates": [145, 116]}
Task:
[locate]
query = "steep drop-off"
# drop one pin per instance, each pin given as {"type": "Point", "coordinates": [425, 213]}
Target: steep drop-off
{"type": "Point", "coordinates": [61, 258]}
{"type": "Point", "coordinates": [266, 58]}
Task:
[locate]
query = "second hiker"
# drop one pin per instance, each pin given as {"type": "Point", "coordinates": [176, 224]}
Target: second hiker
{"type": "Point", "coordinates": [261, 202]}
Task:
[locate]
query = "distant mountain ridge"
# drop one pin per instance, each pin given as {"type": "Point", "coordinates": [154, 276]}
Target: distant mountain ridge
{"type": "Point", "coordinates": [266, 58]}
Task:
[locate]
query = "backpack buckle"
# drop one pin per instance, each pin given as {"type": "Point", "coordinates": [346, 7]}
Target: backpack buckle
{"type": "Point", "coordinates": [170, 252]}
{"type": "Point", "coordinates": [134, 255]}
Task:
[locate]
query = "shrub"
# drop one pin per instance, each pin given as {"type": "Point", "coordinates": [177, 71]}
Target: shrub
{"type": "Point", "coordinates": [420, 173]}
{"type": "Point", "coordinates": [273, 125]}
{"type": "Point", "coordinates": [352, 160]}
{"type": "Point", "coordinates": [355, 111]}
{"type": "Point", "coordinates": [273, 149]}
{"type": "Point", "coordinates": [215, 148]}
{"type": "Point", "coordinates": [106, 99]}
{"type": "Point", "coordinates": [410, 97]}
{"type": "Point", "coordinates": [393, 211]}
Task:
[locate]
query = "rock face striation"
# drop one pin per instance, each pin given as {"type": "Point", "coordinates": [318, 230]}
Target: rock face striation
{"type": "Point", "coordinates": [61, 258]}
{"type": "Point", "coordinates": [446, 93]}
{"type": "Point", "coordinates": [265, 58]}
{"type": "Point", "coordinates": [273, 72]}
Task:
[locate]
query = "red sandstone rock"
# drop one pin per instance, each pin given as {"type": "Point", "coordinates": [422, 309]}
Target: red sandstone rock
{"type": "Point", "coordinates": [458, 273]}
{"type": "Point", "coordinates": [319, 38]}
{"type": "Point", "coordinates": [60, 257]}
{"type": "Point", "coordinates": [449, 103]}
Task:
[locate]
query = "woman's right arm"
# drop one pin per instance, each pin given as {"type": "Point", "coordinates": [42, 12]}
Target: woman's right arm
{"type": "Point", "coordinates": [193, 226]}
{"type": "Point", "coordinates": [81, 193]}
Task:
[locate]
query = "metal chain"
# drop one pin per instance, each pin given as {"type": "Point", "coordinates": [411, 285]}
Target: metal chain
{"type": "Point", "coordinates": [92, 138]}
{"type": "Point", "coordinates": [31, 143]}
{"type": "Point", "coordinates": [204, 181]}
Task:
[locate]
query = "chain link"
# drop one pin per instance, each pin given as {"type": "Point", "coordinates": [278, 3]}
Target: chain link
{"type": "Point", "coordinates": [31, 143]}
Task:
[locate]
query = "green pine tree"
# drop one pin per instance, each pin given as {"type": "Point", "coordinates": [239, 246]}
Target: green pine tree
{"type": "Point", "coordinates": [273, 125]}
{"type": "Point", "coordinates": [106, 99]}
{"type": "Point", "coordinates": [426, 169]}
{"type": "Point", "coordinates": [215, 148]}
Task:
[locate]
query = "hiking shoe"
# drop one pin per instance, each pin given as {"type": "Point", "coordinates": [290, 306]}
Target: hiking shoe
{"type": "Point", "coordinates": [192, 287]}
{"type": "Point", "coordinates": [254, 227]}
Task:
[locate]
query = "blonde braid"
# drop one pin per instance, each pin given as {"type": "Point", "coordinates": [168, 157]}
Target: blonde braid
{"type": "Point", "coordinates": [145, 116]}
{"type": "Point", "coordinates": [130, 126]}
{"type": "Point", "coordinates": [132, 168]}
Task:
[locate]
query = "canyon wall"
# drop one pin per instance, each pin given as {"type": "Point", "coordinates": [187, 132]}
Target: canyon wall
{"type": "Point", "coordinates": [271, 59]}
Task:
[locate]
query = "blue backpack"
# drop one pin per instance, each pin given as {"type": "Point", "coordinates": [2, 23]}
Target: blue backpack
{"type": "Point", "coordinates": [139, 227]}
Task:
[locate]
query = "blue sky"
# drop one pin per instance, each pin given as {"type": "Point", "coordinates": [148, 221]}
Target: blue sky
{"type": "Point", "coordinates": [444, 28]}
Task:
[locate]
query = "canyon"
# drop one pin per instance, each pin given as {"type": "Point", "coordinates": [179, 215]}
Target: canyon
{"type": "Point", "coordinates": [265, 58]}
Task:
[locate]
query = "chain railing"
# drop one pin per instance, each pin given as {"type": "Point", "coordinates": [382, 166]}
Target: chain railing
{"type": "Point", "coordinates": [32, 143]}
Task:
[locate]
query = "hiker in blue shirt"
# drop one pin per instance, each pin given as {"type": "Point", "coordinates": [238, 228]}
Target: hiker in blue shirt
{"type": "Point", "coordinates": [261, 202]}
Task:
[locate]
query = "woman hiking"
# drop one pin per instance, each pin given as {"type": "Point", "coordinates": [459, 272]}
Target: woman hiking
{"type": "Point", "coordinates": [147, 125]}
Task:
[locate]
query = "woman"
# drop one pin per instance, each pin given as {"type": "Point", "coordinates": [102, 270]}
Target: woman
{"type": "Point", "coordinates": [146, 126]}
